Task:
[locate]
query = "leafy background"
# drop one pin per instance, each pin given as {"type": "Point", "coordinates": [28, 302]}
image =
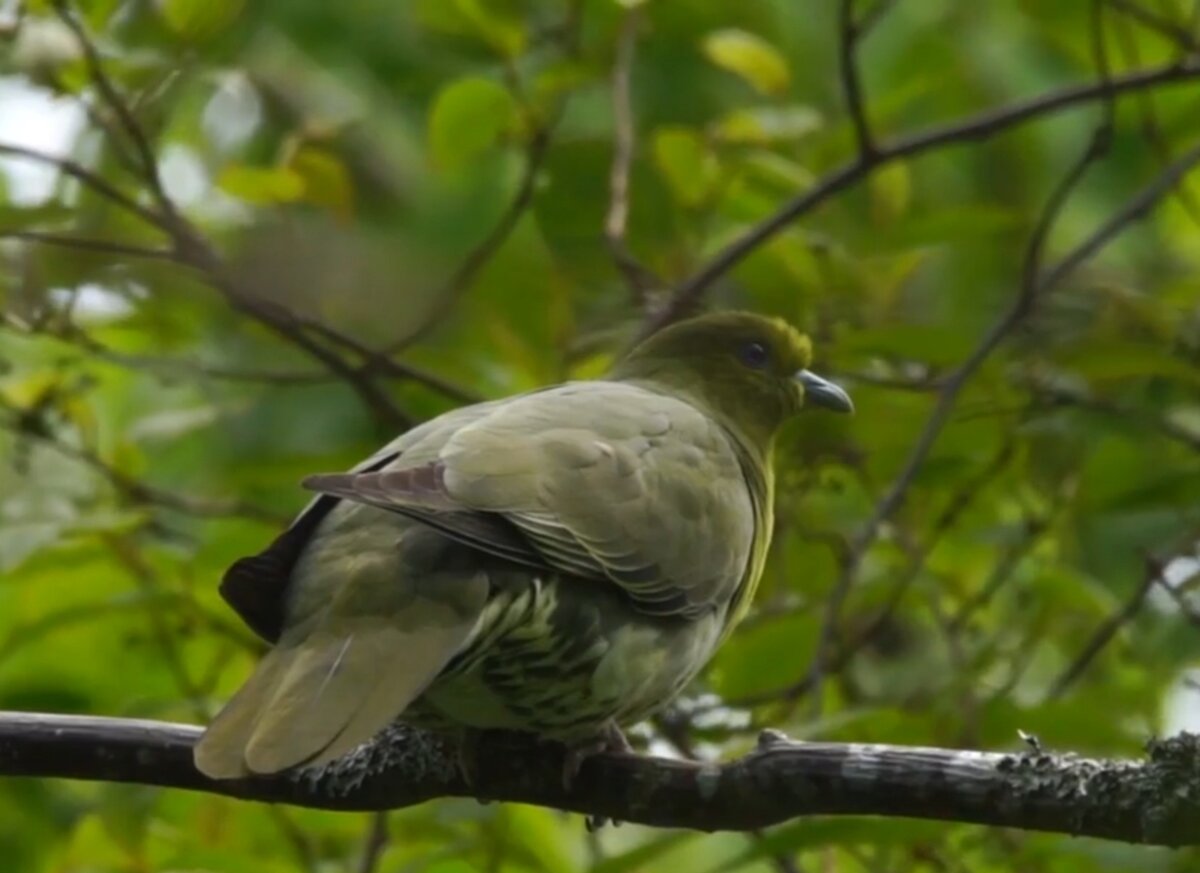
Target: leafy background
{"type": "Point", "coordinates": [351, 159]}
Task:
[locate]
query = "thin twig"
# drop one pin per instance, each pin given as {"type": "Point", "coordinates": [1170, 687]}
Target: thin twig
{"type": "Point", "coordinates": [193, 249]}
{"type": "Point", "coordinates": [376, 842]}
{"type": "Point", "coordinates": [82, 174]}
{"type": "Point", "coordinates": [1176, 33]}
{"type": "Point", "coordinates": [1000, 573]}
{"type": "Point", "coordinates": [87, 245]}
{"type": "Point", "coordinates": [133, 489]}
{"type": "Point", "coordinates": [1134, 210]}
{"type": "Point", "coordinates": [127, 555]}
{"type": "Point", "coordinates": [640, 280]}
{"type": "Point", "coordinates": [1031, 288]}
{"type": "Point", "coordinates": [848, 34]}
{"type": "Point", "coordinates": [1151, 128]}
{"type": "Point", "coordinates": [566, 34]}
{"type": "Point", "coordinates": [460, 281]}
{"type": "Point", "coordinates": [873, 16]}
{"type": "Point", "coordinates": [120, 108]}
{"type": "Point", "coordinates": [297, 837]}
{"type": "Point", "coordinates": [981, 126]}
{"type": "Point", "coordinates": [959, 502]}
{"type": "Point", "coordinates": [378, 363]}
{"type": "Point", "coordinates": [1105, 633]}
{"type": "Point", "coordinates": [282, 321]}
{"type": "Point", "coordinates": [1125, 414]}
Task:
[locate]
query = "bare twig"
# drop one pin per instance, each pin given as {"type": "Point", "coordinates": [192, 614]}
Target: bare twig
{"type": "Point", "coordinates": [640, 280]}
{"type": "Point", "coordinates": [1000, 572]}
{"type": "Point", "coordinates": [848, 34]}
{"type": "Point", "coordinates": [1163, 26]}
{"type": "Point", "coordinates": [167, 640]}
{"type": "Point", "coordinates": [981, 126]}
{"type": "Point", "coordinates": [1105, 633]}
{"type": "Point", "coordinates": [113, 99]}
{"type": "Point", "coordinates": [196, 252]}
{"type": "Point", "coordinates": [1134, 210]}
{"type": "Point", "coordinates": [133, 489]}
{"type": "Point", "coordinates": [1034, 287]}
{"type": "Point", "coordinates": [378, 363]}
{"type": "Point", "coordinates": [1151, 127]}
{"type": "Point", "coordinates": [297, 837]}
{"type": "Point", "coordinates": [376, 842]}
{"type": "Point", "coordinates": [962, 499]}
{"type": "Point", "coordinates": [87, 245]}
{"type": "Point", "coordinates": [1163, 426]}
{"type": "Point", "coordinates": [873, 16]}
{"type": "Point", "coordinates": [460, 281]}
{"type": "Point", "coordinates": [192, 249]}
{"type": "Point", "coordinates": [1031, 288]}
{"type": "Point", "coordinates": [82, 174]}
{"type": "Point", "coordinates": [566, 34]}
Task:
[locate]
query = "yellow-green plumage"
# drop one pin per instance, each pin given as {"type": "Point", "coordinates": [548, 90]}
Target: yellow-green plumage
{"type": "Point", "coordinates": [561, 562]}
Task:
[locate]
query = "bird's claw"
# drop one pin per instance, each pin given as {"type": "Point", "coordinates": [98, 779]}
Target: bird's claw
{"type": "Point", "coordinates": [611, 739]}
{"type": "Point", "coordinates": [467, 759]}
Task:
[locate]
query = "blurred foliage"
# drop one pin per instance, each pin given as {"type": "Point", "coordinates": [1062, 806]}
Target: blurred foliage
{"type": "Point", "coordinates": [349, 158]}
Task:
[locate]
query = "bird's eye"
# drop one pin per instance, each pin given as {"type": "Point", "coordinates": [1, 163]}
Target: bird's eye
{"type": "Point", "coordinates": [754, 355]}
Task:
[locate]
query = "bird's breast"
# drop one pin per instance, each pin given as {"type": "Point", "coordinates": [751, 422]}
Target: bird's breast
{"type": "Point", "coordinates": [561, 656]}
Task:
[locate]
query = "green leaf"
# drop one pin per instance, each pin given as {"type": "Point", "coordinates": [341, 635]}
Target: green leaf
{"type": "Point", "coordinates": [809, 834]}
{"type": "Point", "coordinates": [686, 162]}
{"type": "Point", "coordinates": [327, 182]}
{"type": "Point", "coordinates": [749, 56]}
{"type": "Point", "coordinates": [21, 539]}
{"type": "Point", "coordinates": [767, 125]}
{"type": "Point", "coordinates": [261, 185]}
{"type": "Point", "coordinates": [477, 20]}
{"type": "Point", "coordinates": [638, 857]}
{"type": "Point", "coordinates": [891, 192]}
{"type": "Point", "coordinates": [467, 119]}
{"type": "Point", "coordinates": [199, 20]}
{"type": "Point", "coordinates": [1112, 361]}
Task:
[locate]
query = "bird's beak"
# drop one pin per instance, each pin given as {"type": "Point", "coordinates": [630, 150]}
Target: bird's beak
{"type": "Point", "coordinates": [823, 393]}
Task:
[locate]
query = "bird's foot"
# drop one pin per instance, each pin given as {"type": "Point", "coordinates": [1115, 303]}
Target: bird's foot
{"type": "Point", "coordinates": [467, 759]}
{"type": "Point", "coordinates": [610, 739]}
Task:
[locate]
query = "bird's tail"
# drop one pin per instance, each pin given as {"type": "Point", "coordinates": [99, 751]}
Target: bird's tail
{"type": "Point", "coordinates": [314, 699]}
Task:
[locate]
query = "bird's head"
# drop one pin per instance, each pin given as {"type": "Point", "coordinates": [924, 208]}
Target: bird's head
{"type": "Point", "coordinates": [749, 370]}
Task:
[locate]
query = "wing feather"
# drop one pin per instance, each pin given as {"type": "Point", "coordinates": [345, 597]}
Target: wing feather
{"type": "Point", "coordinates": [649, 495]}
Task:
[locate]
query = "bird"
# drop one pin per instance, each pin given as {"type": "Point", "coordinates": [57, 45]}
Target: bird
{"type": "Point", "coordinates": [562, 562]}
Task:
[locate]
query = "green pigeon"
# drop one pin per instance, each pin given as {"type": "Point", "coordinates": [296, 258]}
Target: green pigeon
{"type": "Point", "coordinates": [561, 562]}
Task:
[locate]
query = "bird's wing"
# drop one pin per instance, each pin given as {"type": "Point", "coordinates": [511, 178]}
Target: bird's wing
{"type": "Point", "coordinates": [256, 586]}
{"type": "Point", "coordinates": [365, 610]}
{"type": "Point", "coordinates": [597, 479]}
{"type": "Point", "coordinates": [373, 636]}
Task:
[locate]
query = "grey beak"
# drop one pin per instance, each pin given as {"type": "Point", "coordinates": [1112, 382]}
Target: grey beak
{"type": "Point", "coordinates": [823, 393]}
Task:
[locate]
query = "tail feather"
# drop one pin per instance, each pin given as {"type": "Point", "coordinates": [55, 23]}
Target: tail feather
{"type": "Point", "coordinates": [220, 752]}
{"type": "Point", "coordinates": [312, 702]}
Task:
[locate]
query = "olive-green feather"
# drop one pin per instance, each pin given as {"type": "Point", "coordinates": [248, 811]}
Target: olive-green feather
{"type": "Point", "coordinates": [560, 561]}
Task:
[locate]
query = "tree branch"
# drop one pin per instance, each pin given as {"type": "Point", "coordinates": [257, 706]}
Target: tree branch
{"type": "Point", "coordinates": [848, 34]}
{"type": "Point", "coordinates": [85, 244]}
{"type": "Point", "coordinates": [113, 99]}
{"type": "Point", "coordinates": [86, 177]}
{"type": "Point", "coordinates": [1164, 27]}
{"type": "Point", "coordinates": [16, 422]}
{"type": "Point", "coordinates": [1151, 801]}
{"type": "Point", "coordinates": [637, 276]}
{"type": "Point", "coordinates": [981, 126]}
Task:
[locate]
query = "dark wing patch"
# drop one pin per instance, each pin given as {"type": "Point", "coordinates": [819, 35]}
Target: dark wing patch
{"type": "Point", "coordinates": [255, 587]}
{"type": "Point", "coordinates": [419, 493]}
